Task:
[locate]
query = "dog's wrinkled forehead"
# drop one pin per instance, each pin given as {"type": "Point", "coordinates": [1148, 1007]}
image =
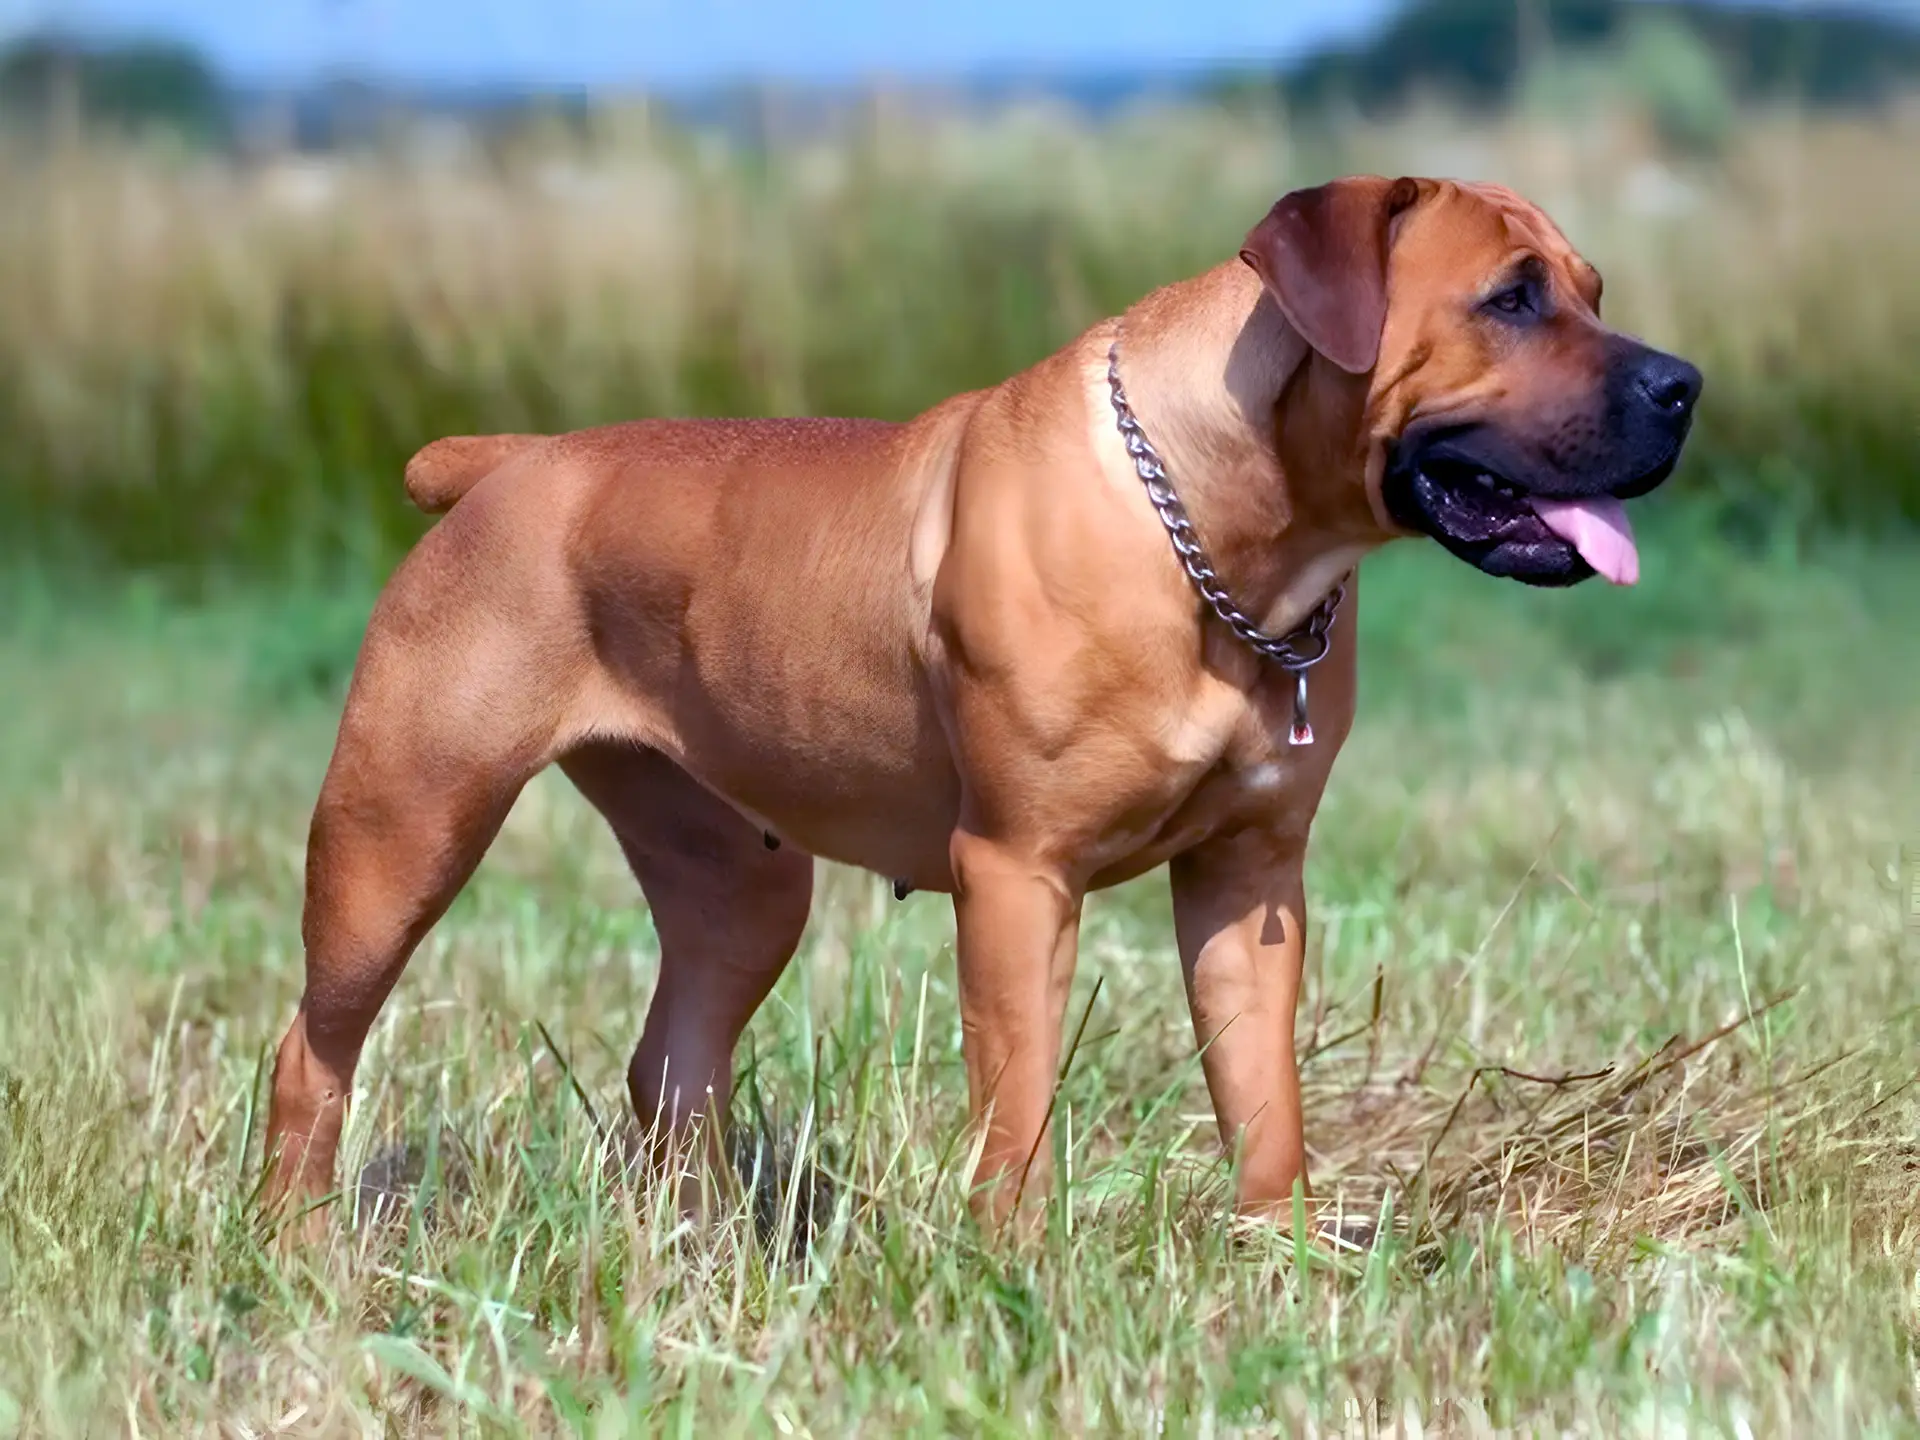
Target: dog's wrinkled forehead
{"type": "Point", "coordinates": [1487, 230]}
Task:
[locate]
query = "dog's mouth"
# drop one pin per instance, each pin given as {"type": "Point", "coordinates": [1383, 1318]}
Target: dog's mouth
{"type": "Point", "coordinates": [1505, 529]}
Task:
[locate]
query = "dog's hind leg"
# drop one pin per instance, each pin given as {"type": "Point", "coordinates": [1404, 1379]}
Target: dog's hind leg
{"type": "Point", "coordinates": [451, 711]}
{"type": "Point", "coordinates": [729, 912]}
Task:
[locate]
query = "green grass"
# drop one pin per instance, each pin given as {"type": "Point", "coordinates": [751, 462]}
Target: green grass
{"type": "Point", "coordinates": [1571, 832]}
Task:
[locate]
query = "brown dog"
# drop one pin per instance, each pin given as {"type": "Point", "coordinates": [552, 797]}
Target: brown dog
{"type": "Point", "coordinates": [961, 651]}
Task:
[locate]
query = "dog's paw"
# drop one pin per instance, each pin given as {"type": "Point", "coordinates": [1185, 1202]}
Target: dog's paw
{"type": "Point", "coordinates": [775, 1187]}
{"type": "Point", "coordinates": [391, 1183]}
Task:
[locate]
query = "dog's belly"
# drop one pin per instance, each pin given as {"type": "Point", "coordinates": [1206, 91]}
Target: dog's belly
{"type": "Point", "coordinates": [853, 774]}
{"type": "Point", "coordinates": [818, 739]}
{"type": "Point", "coordinates": [816, 724]}
{"type": "Point", "coordinates": [835, 793]}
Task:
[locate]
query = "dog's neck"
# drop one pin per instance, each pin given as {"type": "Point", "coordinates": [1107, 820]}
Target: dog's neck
{"type": "Point", "coordinates": [1236, 404]}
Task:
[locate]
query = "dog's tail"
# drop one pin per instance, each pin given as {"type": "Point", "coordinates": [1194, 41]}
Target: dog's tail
{"type": "Point", "coordinates": [444, 471]}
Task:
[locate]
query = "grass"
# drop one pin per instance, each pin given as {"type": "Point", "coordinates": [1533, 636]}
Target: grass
{"type": "Point", "coordinates": [1610, 1016]}
{"type": "Point", "coordinates": [212, 366]}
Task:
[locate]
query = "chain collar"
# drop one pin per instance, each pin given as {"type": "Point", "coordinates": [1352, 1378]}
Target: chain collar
{"type": "Point", "coordinates": [1297, 651]}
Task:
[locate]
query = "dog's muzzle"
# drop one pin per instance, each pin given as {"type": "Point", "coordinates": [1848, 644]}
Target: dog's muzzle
{"type": "Point", "coordinates": [1548, 510]}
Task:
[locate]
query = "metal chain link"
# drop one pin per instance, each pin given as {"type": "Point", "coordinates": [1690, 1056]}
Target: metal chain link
{"type": "Point", "coordinates": [1302, 647]}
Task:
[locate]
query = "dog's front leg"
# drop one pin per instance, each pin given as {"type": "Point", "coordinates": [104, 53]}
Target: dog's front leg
{"type": "Point", "coordinates": [1239, 908]}
{"type": "Point", "coordinates": [1018, 923]}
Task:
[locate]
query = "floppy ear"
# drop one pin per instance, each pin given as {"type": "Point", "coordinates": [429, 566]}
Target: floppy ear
{"type": "Point", "coordinates": [1323, 255]}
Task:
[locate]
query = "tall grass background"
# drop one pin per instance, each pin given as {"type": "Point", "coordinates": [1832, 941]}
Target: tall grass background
{"type": "Point", "coordinates": [215, 366]}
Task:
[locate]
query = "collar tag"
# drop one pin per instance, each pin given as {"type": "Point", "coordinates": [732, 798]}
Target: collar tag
{"type": "Point", "coordinates": [1302, 731]}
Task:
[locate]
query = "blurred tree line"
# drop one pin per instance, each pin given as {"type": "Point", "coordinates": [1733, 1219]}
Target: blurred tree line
{"type": "Point", "coordinates": [1689, 63]}
{"type": "Point", "coordinates": [1480, 51]}
{"type": "Point", "coordinates": [140, 86]}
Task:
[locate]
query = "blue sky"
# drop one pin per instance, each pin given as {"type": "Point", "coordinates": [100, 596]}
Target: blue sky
{"type": "Point", "coordinates": [678, 41]}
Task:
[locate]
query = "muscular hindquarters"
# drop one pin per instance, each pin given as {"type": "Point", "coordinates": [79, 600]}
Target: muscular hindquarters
{"type": "Point", "coordinates": [740, 599]}
{"type": "Point", "coordinates": [468, 683]}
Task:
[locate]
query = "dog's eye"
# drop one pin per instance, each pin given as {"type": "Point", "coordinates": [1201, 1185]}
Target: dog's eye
{"type": "Point", "coordinates": [1514, 300]}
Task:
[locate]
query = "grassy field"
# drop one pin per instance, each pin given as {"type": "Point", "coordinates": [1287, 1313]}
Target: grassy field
{"type": "Point", "coordinates": [1611, 1019]}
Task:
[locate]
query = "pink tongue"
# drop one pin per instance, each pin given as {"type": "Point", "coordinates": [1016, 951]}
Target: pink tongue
{"type": "Point", "coordinates": [1598, 529]}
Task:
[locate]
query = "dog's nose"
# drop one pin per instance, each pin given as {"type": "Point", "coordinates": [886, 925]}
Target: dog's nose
{"type": "Point", "coordinates": [1669, 384]}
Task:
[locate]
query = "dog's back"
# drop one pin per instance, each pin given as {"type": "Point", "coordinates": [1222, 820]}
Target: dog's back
{"type": "Point", "coordinates": [441, 473]}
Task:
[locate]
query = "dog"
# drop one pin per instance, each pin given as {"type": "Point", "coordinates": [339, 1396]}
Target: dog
{"type": "Point", "coordinates": [1033, 643]}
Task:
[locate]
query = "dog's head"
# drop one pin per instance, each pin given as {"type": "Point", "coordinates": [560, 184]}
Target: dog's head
{"type": "Point", "coordinates": [1504, 419]}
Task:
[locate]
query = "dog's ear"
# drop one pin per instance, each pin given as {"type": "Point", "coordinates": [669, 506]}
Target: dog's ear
{"type": "Point", "coordinates": [1323, 255]}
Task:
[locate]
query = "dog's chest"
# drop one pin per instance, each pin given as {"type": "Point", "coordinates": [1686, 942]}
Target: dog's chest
{"type": "Point", "coordinates": [1276, 751]}
{"type": "Point", "coordinates": [1268, 784]}
{"type": "Point", "coordinates": [1254, 777]}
